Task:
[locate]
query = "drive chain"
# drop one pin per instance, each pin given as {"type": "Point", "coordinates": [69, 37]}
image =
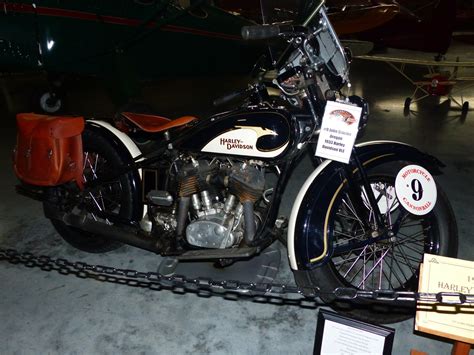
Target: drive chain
{"type": "Point", "coordinates": [207, 286]}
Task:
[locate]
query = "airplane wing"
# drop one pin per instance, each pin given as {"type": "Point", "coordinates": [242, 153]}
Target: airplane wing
{"type": "Point", "coordinates": [442, 75]}
{"type": "Point", "coordinates": [414, 61]}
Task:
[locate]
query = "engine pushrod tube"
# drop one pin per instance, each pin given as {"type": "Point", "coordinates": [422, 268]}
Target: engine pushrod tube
{"type": "Point", "coordinates": [183, 209]}
{"type": "Point", "coordinates": [249, 219]}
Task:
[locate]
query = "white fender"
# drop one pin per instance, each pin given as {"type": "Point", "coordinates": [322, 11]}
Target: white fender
{"type": "Point", "coordinates": [127, 142]}
{"type": "Point", "coordinates": [299, 199]}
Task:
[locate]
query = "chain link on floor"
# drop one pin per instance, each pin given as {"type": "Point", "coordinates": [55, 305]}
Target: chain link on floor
{"type": "Point", "coordinates": [157, 281]}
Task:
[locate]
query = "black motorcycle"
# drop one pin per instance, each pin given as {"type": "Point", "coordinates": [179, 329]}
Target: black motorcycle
{"type": "Point", "coordinates": [210, 188]}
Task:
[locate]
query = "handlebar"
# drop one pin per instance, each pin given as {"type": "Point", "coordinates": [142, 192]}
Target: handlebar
{"type": "Point", "coordinates": [315, 11]}
{"type": "Point", "coordinates": [231, 97]}
{"type": "Point", "coordinates": [260, 32]}
{"type": "Point", "coordinates": [270, 31]}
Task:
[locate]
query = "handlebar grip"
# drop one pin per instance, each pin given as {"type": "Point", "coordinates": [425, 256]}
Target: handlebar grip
{"type": "Point", "coordinates": [229, 97]}
{"type": "Point", "coordinates": [260, 32]}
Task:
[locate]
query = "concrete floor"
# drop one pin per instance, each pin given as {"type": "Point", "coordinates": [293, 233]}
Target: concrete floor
{"type": "Point", "coordinates": [48, 313]}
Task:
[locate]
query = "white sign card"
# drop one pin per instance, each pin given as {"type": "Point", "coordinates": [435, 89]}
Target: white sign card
{"type": "Point", "coordinates": [416, 189]}
{"type": "Point", "coordinates": [338, 131]}
{"type": "Point", "coordinates": [444, 274]}
{"type": "Point", "coordinates": [342, 339]}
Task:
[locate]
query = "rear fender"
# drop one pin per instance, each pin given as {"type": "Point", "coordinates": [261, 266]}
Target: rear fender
{"type": "Point", "coordinates": [309, 230]}
{"type": "Point", "coordinates": [128, 150]}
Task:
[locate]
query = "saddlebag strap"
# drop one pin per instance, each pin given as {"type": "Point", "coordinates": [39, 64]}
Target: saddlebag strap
{"type": "Point", "coordinates": [49, 149]}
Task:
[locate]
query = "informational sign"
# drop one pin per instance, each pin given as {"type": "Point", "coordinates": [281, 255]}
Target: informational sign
{"type": "Point", "coordinates": [338, 131]}
{"type": "Point", "coordinates": [416, 189]}
{"type": "Point", "coordinates": [443, 274]}
{"type": "Point", "coordinates": [338, 334]}
{"type": "Point", "coordinates": [342, 339]}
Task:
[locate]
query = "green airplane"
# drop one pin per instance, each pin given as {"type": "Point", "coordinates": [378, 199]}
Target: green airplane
{"type": "Point", "coordinates": [129, 39]}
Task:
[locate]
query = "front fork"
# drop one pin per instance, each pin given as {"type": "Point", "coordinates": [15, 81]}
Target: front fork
{"type": "Point", "coordinates": [376, 224]}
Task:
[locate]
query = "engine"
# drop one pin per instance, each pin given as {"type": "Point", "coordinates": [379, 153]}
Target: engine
{"type": "Point", "coordinates": [217, 225]}
{"type": "Point", "coordinates": [220, 197]}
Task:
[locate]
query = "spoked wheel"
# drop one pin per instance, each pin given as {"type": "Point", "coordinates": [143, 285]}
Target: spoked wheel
{"type": "Point", "coordinates": [391, 263]}
{"type": "Point", "coordinates": [113, 198]}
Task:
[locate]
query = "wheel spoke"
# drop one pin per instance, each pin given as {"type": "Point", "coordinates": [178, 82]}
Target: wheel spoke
{"type": "Point", "coordinates": [86, 159]}
{"type": "Point", "coordinates": [383, 263]}
{"type": "Point", "coordinates": [407, 258]}
{"type": "Point", "coordinates": [350, 258]}
{"type": "Point", "coordinates": [415, 223]}
{"type": "Point", "coordinates": [417, 234]}
{"type": "Point", "coordinates": [100, 199]}
{"type": "Point", "coordinates": [394, 273]}
{"type": "Point", "coordinates": [355, 261]}
{"type": "Point", "coordinates": [400, 268]}
{"type": "Point", "coordinates": [352, 210]}
{"type": "Point", "coordinates": [410, 248]}
{"type": "Point", "coordinates": [373, 267]}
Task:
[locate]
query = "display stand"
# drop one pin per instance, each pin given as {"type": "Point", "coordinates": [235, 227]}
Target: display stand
{"type": "Point", "coordinates": [455, 322]}
{"type": "Point", "coordinates": [461, 348]}
{"type": "Point", "coordinates": [417, 352]}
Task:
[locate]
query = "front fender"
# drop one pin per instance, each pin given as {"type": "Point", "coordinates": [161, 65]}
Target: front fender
{"type": "Point", "coordinates": [309, 235]}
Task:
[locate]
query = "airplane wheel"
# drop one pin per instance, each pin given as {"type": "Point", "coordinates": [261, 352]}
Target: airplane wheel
{"type": "Point", "coordinates": [407, 102]}
{"type": "Point", "coordinates": [465, 108]}
{"type": "Point", "coordinates": [406, 107]}
{"type": "Point", "coordinates": [50, 103]}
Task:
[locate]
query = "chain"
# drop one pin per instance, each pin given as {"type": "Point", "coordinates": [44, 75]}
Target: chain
{"type": "Point", "coordinates": [157, 281]}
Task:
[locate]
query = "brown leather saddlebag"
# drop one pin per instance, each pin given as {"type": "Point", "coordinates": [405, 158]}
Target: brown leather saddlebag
{"type": "Point", "coordinates": [49, 149]}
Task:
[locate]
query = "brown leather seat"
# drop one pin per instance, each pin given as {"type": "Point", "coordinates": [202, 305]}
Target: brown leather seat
{"type": "Point", "coordinates": [155, 124]}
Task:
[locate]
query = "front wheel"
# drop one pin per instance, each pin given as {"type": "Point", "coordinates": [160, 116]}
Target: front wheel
{"type": "Point", "coordinates": [389, 264]}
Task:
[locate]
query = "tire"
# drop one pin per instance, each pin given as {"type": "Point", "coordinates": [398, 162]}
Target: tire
{"type": "Point", "coordinates": [406, 106]}
{"type": "Point", "coordinates": [400, 257]}
{"type": "Point", "coordinates": [465, 108]}
{"type": "Point", "coordinates": [100, 157]}
{"type": "Point", "coordinates": [50, 104]}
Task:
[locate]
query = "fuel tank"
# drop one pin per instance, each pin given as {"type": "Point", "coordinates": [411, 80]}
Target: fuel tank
{"type": "Point", "coordinates": [252, 133]}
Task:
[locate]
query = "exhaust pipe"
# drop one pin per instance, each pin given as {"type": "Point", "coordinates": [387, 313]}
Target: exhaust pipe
{"type": "Point", "coordinates": [127, 235]}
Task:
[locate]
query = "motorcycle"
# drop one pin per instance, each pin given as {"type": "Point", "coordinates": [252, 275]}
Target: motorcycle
{"type": "Point", "coordinates": [210, 188]}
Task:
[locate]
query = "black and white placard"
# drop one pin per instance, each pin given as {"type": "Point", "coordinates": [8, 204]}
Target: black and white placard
{"type": "Point", "coordinates": [338, 131]}
{"type": "Point", "coordinates": [416, 189]}
{"type": "Point", "coordinates": [338, 334]}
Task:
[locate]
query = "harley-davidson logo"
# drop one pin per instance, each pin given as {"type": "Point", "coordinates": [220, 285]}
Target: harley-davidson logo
{"type": "Point", "coordinates": [242, 140]}
{"type": "Point", "coordinates": [230, 143]}
{"type": "Point", "coordinates": [235, 143]}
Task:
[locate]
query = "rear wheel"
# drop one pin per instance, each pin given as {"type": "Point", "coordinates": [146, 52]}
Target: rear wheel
{"type": "Point", "coordinates": [115, 197]}
{"type": "Point", "coordinates": [390, 264]}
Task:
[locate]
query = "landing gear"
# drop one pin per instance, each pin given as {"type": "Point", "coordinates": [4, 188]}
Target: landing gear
{"type": "Point", "coordinates": [406, 106]}
{"type": "Point", "coordinates": [50, 102]}
{"type": "Point", "coordinates": [50, 98]}
{"type": "Point", "coordinates": [465, 108]}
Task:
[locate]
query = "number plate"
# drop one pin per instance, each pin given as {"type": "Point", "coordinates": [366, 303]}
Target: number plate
{"type": "Point", "coordinates": [416, 189]}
